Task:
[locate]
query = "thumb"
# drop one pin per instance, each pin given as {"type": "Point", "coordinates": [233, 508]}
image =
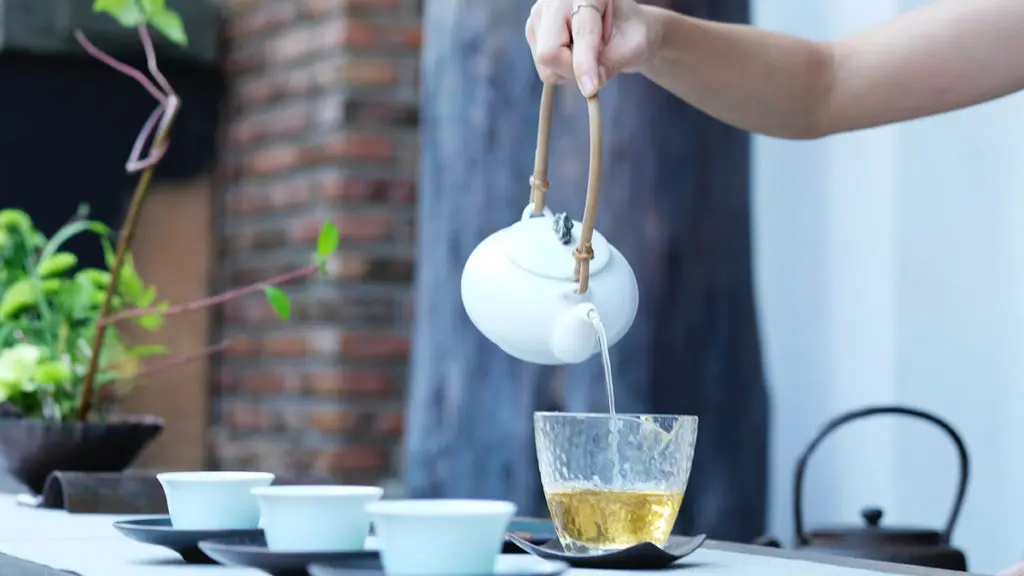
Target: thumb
{"type": "Point", "coordinates": [587, 33]}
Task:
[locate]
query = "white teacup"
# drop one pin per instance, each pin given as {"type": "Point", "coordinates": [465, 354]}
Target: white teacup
{"type": "Point", "coordinates": [213, 500]}
{"type": "Point", "coordinates": [316, 518]}
{"type": "Point", "coordinates": [440, 537]}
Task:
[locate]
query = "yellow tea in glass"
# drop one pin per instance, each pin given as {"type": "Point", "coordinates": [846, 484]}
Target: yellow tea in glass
{"type": "Point", "coordinates": [612, 481]}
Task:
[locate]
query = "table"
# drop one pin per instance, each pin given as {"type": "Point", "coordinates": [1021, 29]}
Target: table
{"type": "Point", "coordinates": [36, 542]}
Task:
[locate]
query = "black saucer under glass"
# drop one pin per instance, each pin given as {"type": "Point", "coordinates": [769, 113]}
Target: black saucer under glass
{"type": "Point", "coordinates": [643, 556]}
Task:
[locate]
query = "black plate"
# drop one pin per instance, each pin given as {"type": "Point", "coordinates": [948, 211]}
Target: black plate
{"type": "Point", "coordinates": [252, 552]}
{"type": "Point", "coordinates": [507, 565]}
{"type": "Point", "coordinates": [643, 556]}
{"type": "Point", "coordinates": [159, 532]}
{"type": "Point", "coordinates": [533, 530]}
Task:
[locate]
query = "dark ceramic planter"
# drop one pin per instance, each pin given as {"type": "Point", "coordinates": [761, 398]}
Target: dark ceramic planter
{"type": "Point", "coordinates": [31, 449]}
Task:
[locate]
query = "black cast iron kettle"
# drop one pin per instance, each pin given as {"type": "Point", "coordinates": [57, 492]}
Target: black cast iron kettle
{"type": "Point", "coordinates": [873, 540]}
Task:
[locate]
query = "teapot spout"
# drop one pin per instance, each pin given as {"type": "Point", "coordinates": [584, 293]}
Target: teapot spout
{"type": "Point", "coordinates": [575, 335]}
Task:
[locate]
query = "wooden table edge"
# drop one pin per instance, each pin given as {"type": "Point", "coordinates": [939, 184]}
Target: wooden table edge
{"type": "Point", "coordinates": [841, 561]}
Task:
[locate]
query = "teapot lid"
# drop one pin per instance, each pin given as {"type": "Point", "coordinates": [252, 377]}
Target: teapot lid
{"type": "Point", "coordinates": [534, 245]}
{"type": "Point", "coordinates": [872, 534]}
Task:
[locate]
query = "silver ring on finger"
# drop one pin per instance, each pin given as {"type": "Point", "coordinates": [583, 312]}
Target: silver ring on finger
{"type": "Point", "coordinates": [583, 5]}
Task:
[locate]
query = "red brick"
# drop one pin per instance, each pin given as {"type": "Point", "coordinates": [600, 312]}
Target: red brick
{"type": "Point", "coordinates": [259, 18]}
{"type": "Point", "coordinates": [275, 124]}
{"type": "Point", "coordinates": [282, 345]}
{"type": "Point", "coordinates": [329, 420]}
{"type": "Point", "coordinates": [263, 383]}
{"type": "Point", "coordinates": [367, 71]}
{"type": "Point", "coordinates": [318, 97]}
{"type": "Point", "coordinates": [345, 190]}
{"type": "Point", "coordinates": [352, 458]}
{"type": "Point", "coordinates": [273, 160]}
{"type": "Point", "coordinates": [359, 34]}
{"type": "Point", "coordinates": [290, 345]}
{"type": "Point", "coordinates": [373, 4]}
{"type": "Point", "coordinates": [246, 417]}
{"type": "Point", "coordinates": [352, 381]}
{"type": "Point", "coordinates": [361, 147]}
{"type": "Point", "coordinates": [276, 198]}
{"type": "Point", "coordinates": [368, 345]}
{"type": "Point", "coordinates": [390, 423]}
{"type": "Point", "coordinates": [244, 61]}
{"type": "Point", "coordinates": [241, 346]}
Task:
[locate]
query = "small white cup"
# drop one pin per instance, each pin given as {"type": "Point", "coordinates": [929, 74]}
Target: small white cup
{"type": "Point", "coordinates": [316, 518]}
{"type": "Point", "coordinates": [440, 537]}
{"type": "Point", "coordinates": [213, 500]}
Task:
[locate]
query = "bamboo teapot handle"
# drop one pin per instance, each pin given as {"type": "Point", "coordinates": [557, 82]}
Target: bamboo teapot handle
{"type": "Point", "coordinates": [584, 251]}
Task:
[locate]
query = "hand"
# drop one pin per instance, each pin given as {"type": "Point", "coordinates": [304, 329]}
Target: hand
{"type": "Point", "coordinates": [602, 39]}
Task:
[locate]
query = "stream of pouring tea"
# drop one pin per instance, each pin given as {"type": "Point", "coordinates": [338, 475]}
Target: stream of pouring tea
{"type": "Point", "coordinates": [609, 385]}
{"type": "Point", "coordinates": [606, 361]}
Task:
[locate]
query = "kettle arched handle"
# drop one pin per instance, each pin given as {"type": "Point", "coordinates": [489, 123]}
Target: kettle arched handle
{"type": "Point", "coordinates": [798, 481]}
{"type": "Point", "coordinates": [584, 251]}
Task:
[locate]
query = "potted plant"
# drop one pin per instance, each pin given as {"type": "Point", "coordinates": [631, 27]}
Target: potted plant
{"type": "Point", "coordinates": [61, 354]}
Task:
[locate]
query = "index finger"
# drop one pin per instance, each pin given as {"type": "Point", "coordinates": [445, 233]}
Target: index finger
{"type": "Point", "coordinates": [587, 37]}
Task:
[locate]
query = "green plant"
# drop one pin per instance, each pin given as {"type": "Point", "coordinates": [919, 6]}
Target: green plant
{"type": "Point", "coordinates": [54, 314]}
{"type": "Point", "coordinates": [48, 314]}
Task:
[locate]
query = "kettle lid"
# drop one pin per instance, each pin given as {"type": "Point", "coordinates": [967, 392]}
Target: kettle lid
{"type": "Point", "coordinates": [873, 534]}
{"type": "Point", "coordinates": [535, 245]}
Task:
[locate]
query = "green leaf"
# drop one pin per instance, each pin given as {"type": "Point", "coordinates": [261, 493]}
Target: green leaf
{"type": "Point", "coordinates": [153, 321]}
{"type": "Point", "coordinates": [279, 301]}
{"type": "Point", "coordinates": [18, 297]}
{"type": "Point", "coordinates": [169, 23]}
{"type": "Point", "coordinates": [52, 372]}
{"type": "Point", "coordinates": [327, 241]}
{"type": "Point", "coordinates": [56, 264]}
{"type": "Point", "coordinates": [147, 350]}
{"type": "Point", "coordinates": [69, 231]}
{"type": "Point", "coordinates": [126, 12]}
{"type": "Point", "coordinates": [14, 218]}
{"type": "Point", "coordinates": [147, 298]}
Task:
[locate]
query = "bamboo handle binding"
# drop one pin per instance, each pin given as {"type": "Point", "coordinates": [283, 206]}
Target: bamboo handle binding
{"type": "Point", "coordinates": [584, 251]}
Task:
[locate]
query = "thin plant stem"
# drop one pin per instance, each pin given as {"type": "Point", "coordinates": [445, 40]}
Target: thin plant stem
{"type": "Point", "coordinates": [134, 210]}
{"type": "Point", "coordinates": [212, 300]}
{"type": "Point", "coordinates": [179, 361]}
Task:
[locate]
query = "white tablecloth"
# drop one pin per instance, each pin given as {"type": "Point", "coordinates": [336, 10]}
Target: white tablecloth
{"type": "Point", "coordinates": [89, 545]}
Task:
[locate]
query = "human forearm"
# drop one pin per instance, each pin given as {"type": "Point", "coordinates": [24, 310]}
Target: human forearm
{"type": "Point", "coordinates": [754, 79]}
{"type": "Point", "coordinates": [947, 55]}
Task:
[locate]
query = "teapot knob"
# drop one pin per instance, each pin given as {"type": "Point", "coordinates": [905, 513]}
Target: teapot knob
{"type": "Point", "coordinates": [873, 516]}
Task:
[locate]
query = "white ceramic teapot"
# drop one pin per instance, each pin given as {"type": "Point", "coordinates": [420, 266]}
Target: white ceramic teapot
{"type": "Point", "coordinates": [533, 293]}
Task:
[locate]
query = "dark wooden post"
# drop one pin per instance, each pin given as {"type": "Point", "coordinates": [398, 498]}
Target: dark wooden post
{"type": "Point", "coordinates": [675, 202]}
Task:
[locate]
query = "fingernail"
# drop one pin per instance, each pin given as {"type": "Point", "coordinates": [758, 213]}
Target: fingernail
{"type": "Point", "coordinates": [588, 85]}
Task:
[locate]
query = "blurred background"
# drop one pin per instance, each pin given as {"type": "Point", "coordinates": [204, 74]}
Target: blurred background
{"type": "Point", "coordinates": [782, 283]}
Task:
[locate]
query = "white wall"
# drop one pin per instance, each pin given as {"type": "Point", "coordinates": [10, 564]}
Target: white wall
{"type": "Point", "coordinates": [890, 269]}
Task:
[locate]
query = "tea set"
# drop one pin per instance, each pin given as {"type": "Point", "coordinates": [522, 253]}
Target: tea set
{"type": "Point", "coordinates": [534, 289]}
{"type": "Point", "coordinates": [241, 519]}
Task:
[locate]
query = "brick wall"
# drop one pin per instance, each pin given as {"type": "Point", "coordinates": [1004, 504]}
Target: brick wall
{"type": "Point", "coordinates": [321, 125]}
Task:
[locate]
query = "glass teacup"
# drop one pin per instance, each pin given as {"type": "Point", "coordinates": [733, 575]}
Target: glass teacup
{"type": "Point", "coordinates": [613, 481]}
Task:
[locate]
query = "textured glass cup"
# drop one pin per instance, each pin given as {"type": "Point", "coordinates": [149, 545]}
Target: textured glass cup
{"type": "Point", "coordinates": [613, 481]}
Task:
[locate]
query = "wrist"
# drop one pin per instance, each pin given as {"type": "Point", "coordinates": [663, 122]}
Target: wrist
{"type": "Point", "coordinates": [655, 24]}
